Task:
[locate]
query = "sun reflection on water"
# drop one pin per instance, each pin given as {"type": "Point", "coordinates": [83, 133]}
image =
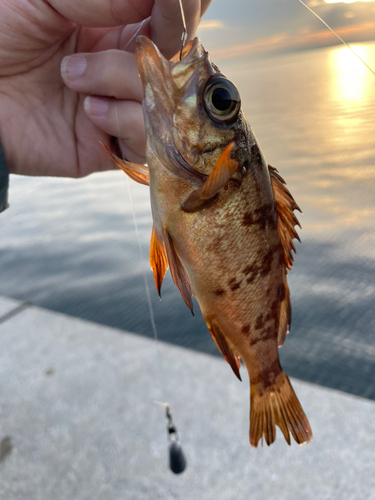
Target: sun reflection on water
{"type": "Point", "coordinates": [350, 81]}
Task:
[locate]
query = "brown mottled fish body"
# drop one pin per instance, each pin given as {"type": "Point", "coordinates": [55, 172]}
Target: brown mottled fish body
{"type": "Point", "coordinates": [223, 223]}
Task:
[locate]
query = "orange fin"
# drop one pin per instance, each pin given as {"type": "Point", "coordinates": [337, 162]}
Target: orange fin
{"type": "Point", "coordinates": [277, 405]}
{"type": "Point", "coordinates": [158, 260]}
{"type": "Point", "coordinates": [224, 348]}
{"type": "Point", "coordinates": [285, 315]}
{"type": "Point", "coordinates": [138, 173]}
{"type": "Point", "coordinates": [286, 220]}
{"type": "Point", "coordinates": [220, 175]}
{"type": "Point", "coordinates": [179, 275]}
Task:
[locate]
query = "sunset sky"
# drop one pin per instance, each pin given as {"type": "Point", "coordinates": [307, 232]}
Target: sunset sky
{"type": "Point", "coordinates": [244, 27]}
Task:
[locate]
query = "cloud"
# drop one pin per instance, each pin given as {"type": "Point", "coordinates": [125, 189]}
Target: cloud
{"type": "Point", "coordinates": [303, 40]}
{"type": "Point", "coordinates": [211, 24]}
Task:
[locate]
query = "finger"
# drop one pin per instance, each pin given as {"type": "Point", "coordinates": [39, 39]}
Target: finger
{"type": "Point", "coordinates": [112, 73]}
{"type": "Point", "coordinates": [123, 119]}
{"type": "Point", "coordinates": [103, 12]}
{"type": "Point", "coordinates": [167, 23]}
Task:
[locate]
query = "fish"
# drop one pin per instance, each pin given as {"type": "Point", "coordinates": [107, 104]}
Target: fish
{"type": "Point", "coordinates": [223, 223]}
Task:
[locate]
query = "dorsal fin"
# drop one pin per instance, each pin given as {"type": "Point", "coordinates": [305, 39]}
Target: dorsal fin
{"type": "Point", "coordinates": [138, 173]}
{"type": "Point", "coordinates": [286, 220]}
{"type": "Point", "coordinates": [224, 348]}
{"type": "Point", "coordinates": [219, 176]}
{"type": "Point", "coordinates": [158, 259]}
{"type": "Point", "coordinates": [179, 275]}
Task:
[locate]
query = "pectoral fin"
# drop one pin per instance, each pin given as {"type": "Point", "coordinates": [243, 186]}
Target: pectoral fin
{"type": "Point", "coordinates": [179, 275]}
{"type": "Point", "coordinates": [224, 348]}
{"type": "Point", "coordinates": [220, 175]}
{"type": "Point", "coordinates": [138, 173]}
{"type": "Point", "coordinates": [158, 259]}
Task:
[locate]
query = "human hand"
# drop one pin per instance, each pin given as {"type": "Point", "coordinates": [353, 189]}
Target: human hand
{"type": "Point", "coordinates": [43, 126]}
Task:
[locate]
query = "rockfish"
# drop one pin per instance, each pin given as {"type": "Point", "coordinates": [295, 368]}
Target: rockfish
{"type": "Point", "coordinates": [223, 222]}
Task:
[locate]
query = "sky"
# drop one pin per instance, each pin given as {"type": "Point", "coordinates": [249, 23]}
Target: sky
{"type": "Point", "coordinates": [244, 27]}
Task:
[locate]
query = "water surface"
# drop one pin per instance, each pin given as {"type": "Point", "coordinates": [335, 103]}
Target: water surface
{"type": "Point", "coordinates": [70, 245]}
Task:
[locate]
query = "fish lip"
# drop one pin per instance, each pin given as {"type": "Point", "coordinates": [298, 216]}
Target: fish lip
{"type": "Point", "coordinates": [149, 59]}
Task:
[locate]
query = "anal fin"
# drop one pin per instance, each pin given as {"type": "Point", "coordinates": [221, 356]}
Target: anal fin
{"type": "Point", "coordinates": [220, 175]}
{"type": "Point", "coordinates": [158, 259]}
{"type": "Point", "coordinates": [179, 275]}
{"type": "Point", "coordinates": [224, 348]}
{"type": "Point", "coordinates": [138, 173]}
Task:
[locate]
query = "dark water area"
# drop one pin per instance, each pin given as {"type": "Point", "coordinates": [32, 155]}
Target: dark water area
{"type": "Point", "coordinates": [71, 246]}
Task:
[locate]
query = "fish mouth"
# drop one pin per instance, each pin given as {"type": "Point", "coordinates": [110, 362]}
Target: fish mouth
{"type": "Point", "coordinates": [149, 59]}
{"type": "Point", "coordinates": [156, 70]}
{"type": "Point", "coordinates": [165, 84]}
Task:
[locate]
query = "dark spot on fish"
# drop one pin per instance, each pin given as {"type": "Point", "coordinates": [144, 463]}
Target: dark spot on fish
{"type": "Point", "coordinates": [207, 149]}
{"type": "Point", "coordinates": [5, 448]}
{"type": "Point", "coordinates": [248, 219]}
{"type": "Point", "coordinates": [246, 329]}
{"type": "Point", "coordinates": [233, 284]}
{"type": "Point", "coordinates": [250, 279]}
{"type": "Point", "coordinates": [281, 292]}
{"type": "Point", "coordinates": [268, 374]}
{"type": "Point", "coordinates": [266, 335]}
{"type": "Point", "coordinates": [256, 157]}
{"type": "Point", "coordinates": [267, 262]}
{"type": "Point", "coordinates": [219, 292]}
{"type": "Point", "coordinates": [265, 216]}
{"type": "Point", "coordinates": [259, 322]}
{"type": "Point", "coordinates": [268, 317]}
{"type": "Point", "coordinates": [233, 184]}
{"type": "Point", "coordinates": [249, 269]}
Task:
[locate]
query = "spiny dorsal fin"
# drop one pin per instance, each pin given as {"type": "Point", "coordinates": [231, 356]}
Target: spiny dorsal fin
{"type": "Point", "coordinates": [286, 220]}
{"type": "Point", "coordinates": [158, 259]}
{"type": "Point", "coordinates": [219, 176]}
{"type": "Point", "coordinates": [284, 207]}
{"type": "Point", "coordinates": [138, 173]}
{"type": "Point", "coordinates": [179, 275]}
{"type": "Point", "coordinates": [224, 348]}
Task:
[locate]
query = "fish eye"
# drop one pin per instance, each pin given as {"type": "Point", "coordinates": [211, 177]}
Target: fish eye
{"type": "Point", "coordinates": [221, 100]}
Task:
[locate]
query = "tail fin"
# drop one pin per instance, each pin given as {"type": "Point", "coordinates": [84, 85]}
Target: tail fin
{"type": "Point", "coordinates": [277, 405]}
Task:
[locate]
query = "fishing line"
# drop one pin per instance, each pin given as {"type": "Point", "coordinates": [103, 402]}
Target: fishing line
{"type": "Point", "coordinates": [184, 31]}
{"type": "Point", "coordinates": [177, 460]}
{"type": "Point", "coordinates": [337, 36]}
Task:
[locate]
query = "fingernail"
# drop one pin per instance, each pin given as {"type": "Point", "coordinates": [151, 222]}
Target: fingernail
{"type": "Point", "coordinates": [96, 107]}
{"type": "Point", "coordinates": [73, 67]}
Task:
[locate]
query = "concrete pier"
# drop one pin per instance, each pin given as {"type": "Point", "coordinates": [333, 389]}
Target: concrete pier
{"type": "Point", "coordinates": [78, 420]}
